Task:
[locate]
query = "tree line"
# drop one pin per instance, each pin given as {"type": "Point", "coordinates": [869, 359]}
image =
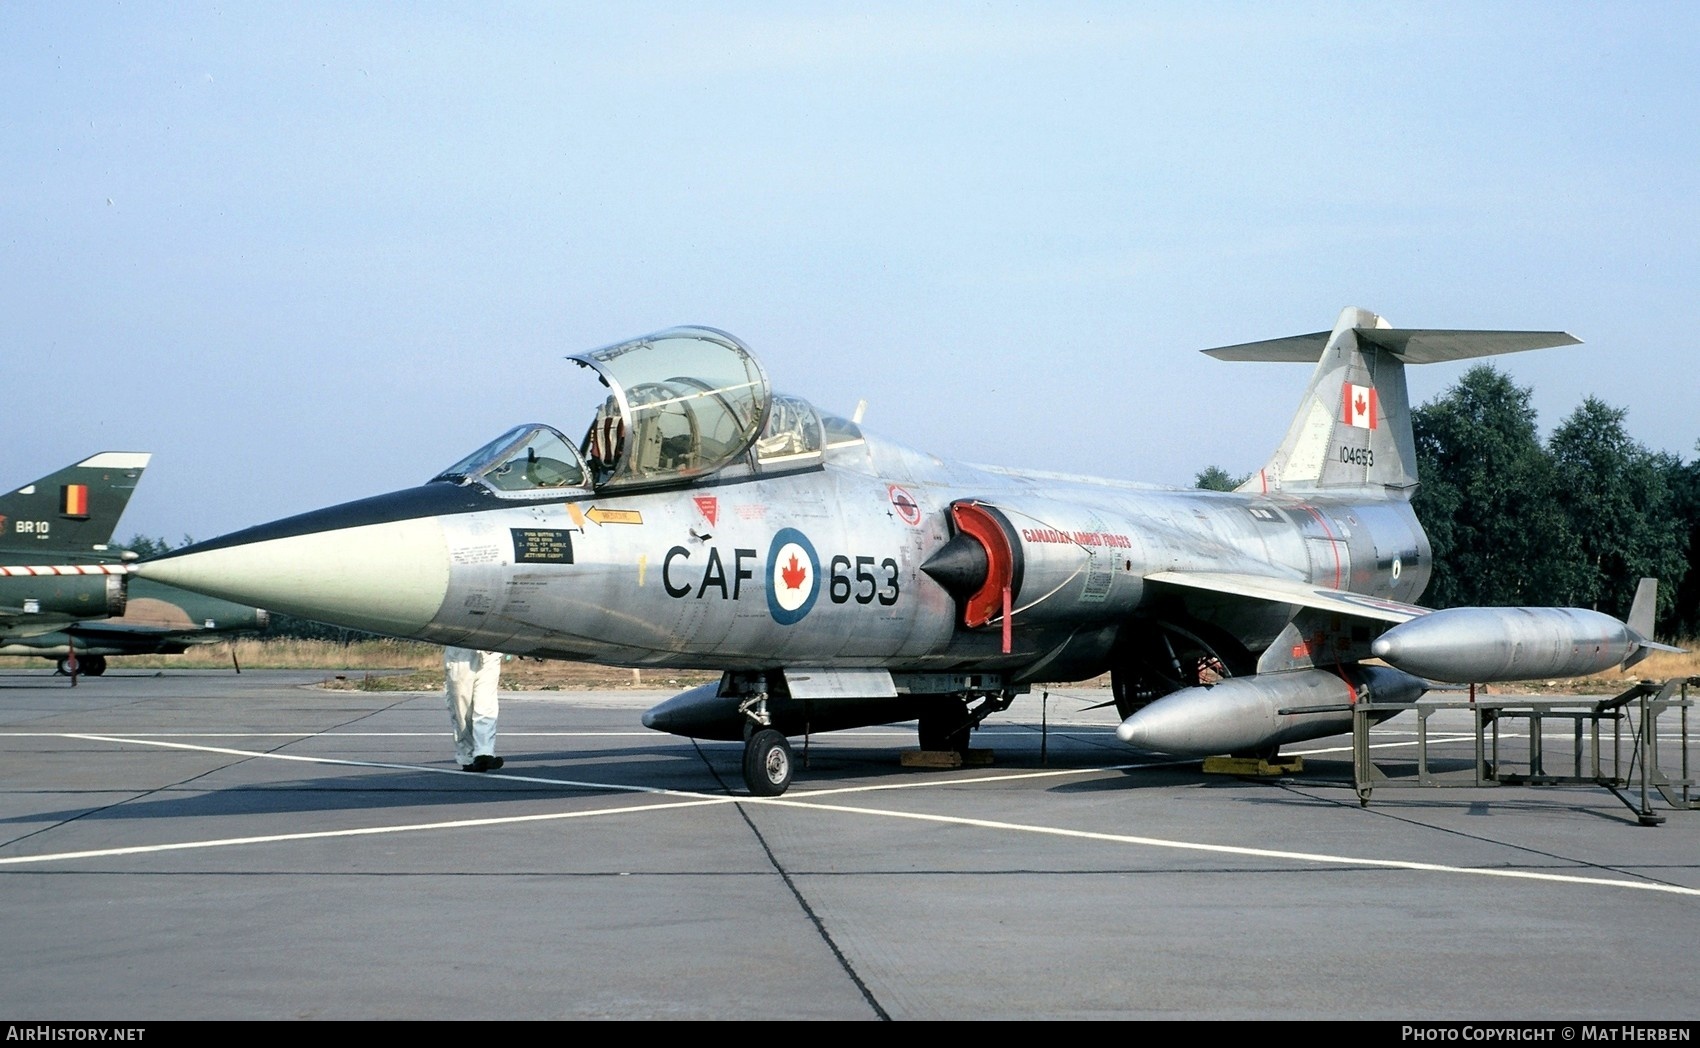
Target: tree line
{"type": "Point", "coordinates": [1573, 522]}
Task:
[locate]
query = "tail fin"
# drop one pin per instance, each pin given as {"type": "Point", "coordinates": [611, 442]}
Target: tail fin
{"type": "Point", "coordinates": [70, 514]}
{"type": "Point", "coordinates": [1352, 435]}
{"type": "Point", "coordinates": [1641, 622]}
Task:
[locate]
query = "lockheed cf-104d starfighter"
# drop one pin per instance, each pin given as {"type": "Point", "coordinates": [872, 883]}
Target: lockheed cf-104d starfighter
{"type": "Point", "coordinates": [837, 580]}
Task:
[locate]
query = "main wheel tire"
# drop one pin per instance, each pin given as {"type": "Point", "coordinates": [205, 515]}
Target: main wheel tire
{"type": "Point", "coordinates": [67, 666]}
{"type": "Point", "coordinates": [767, 763]}
{"type": "Point", "coordinates": [94, 665]}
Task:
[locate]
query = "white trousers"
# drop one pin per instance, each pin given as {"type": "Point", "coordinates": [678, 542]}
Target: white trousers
{"type": "Point", "coordinates": [472, 678]}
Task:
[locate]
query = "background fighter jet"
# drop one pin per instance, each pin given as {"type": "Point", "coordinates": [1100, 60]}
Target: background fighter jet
{"type": "Point", "coordinates": [56, 566]}
{"type": "Point", "coordinates": [152, 619]}
{"type": "Point", "coordinates": [69, 516]}
{"type": "Point", "coordinates": [63, 592]}
{"type": "Point", "coordinates": [838, 580]}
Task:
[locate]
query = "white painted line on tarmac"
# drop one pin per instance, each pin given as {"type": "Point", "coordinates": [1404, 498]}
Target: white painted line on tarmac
{"type": "Point", "coordinates": [364, 831]}
{"type": "Point", "coordinates": [141, 735]}
{"type": "Point", "coordinates": [305, 759]}
{"type": "Point", "coordinates": [1238, 850]}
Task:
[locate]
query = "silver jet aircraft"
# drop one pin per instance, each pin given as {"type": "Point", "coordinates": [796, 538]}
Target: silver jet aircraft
{"type": "Point", "coordinates": [839, 580]}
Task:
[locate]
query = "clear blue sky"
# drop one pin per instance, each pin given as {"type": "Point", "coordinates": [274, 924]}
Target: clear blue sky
{"type": "Point", "coordinates": [305, 253]}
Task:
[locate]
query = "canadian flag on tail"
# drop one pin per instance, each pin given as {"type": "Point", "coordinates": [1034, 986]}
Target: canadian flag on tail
{"type": "Point", "coordinates": [1360, 407]}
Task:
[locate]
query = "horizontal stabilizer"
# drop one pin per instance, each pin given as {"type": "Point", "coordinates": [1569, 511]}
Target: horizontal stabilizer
{"type": "Point", "coordinates": [1408, 345]}
{"type": "Point", "coordinates": [1292, 591]}
{"type": "Point", "coordinates": [1352, 433]}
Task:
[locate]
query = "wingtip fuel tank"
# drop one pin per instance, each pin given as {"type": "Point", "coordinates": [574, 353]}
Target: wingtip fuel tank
{"type": "Point", "coordinates": [1465, 645]}
{"type": "Point", "coordinates": [1251, 714]}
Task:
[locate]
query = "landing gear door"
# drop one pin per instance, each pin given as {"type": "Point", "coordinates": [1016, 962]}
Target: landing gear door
{"type": "Point", "coordinates": [682, 403]}
{"type": "Point", "coordinates": [806, 683]}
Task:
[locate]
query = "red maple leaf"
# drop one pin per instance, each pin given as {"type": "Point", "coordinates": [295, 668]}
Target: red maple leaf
{"type": "Point", "coordinates": [1361, 405]}
{"type": "Point", "coordinates": [794, 575]}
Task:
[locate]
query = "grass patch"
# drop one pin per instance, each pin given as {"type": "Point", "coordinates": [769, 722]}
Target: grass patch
{"type": "Point", "coordinates": [402, 665]}
{"type": "Point", "coordinates": [529, 675]}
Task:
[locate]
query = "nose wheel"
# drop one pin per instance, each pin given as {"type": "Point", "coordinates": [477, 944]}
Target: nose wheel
{"type": "Point", "coordinates": [767, 763]}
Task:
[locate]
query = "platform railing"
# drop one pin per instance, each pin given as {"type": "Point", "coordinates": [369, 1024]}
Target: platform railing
{"type": "Point", "coordinates": [1615, 743]}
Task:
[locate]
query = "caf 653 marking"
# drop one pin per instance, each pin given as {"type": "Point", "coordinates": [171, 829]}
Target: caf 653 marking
{"type": "Point", "coordinates": [836, 579]}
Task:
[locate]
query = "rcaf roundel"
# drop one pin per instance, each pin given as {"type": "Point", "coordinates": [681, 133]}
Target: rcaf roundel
{"type": "Point", "coordinates": [905, 505]}
{"type": "Point", "coordinates": [1360, 408]}
{"type": "Point", "coordinates": [793, 571]}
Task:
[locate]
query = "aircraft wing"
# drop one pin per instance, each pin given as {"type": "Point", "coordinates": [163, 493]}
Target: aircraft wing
{"type": "Point", "coordinates": [145, 636]}
{"type": "Point", "coordinates": [1291, 591]}
{"type": "Point", "coordinates": [15, 623]}
{"type": "Point", "coordinates": [110, 629]}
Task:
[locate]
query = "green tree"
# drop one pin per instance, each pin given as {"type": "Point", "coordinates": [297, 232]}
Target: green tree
{"type": "Point", "coordinates": [306, 629]}
{"type": "Point", "coordinates": [1486, 497]}
{"type": "Point", "coordinates": [1215, 478]}
{"type": "Point", "coordinates": [1616, 495]}
{"type": "Point", "coordinates": [1684, 483]}
{"type": "Point", "coordinates": [145, 546]}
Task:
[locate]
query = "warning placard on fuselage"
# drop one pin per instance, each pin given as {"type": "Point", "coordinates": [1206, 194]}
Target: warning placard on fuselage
{"type": "Point", "coordinates": [542, 546]}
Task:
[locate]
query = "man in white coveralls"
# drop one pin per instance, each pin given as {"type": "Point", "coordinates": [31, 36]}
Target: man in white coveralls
{"type": "Point", "coordinates": [471, 678]}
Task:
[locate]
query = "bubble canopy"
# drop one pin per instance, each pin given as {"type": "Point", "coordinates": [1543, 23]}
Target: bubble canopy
{"type": "Point", "coordinates": [532, 459]}
{"type": "Point", "coordinates": [681, 403]}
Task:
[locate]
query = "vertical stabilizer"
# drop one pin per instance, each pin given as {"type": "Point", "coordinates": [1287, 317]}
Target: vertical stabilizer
{"type": "Point", "coordinates": [1352, 434]}
{"type": "Point", "coordinates": [1641, 611]}
{"type": "Point", "coordinates": [71, 514]}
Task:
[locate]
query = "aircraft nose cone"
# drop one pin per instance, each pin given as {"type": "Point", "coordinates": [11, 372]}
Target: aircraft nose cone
{"type": "Point", "coordinates": [387, 577]}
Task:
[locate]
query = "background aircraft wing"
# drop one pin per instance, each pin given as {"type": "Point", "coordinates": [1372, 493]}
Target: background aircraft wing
{"type": "Point", "coordinates": [17, 624]}
{"type": "Point", "coordinates": [1291, 591]}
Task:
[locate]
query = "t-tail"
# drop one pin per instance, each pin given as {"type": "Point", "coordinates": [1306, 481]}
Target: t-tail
{"type": "Point", "coordinates": [71, 514]}
{"type": "Point", "coordinates": [1352, 434]}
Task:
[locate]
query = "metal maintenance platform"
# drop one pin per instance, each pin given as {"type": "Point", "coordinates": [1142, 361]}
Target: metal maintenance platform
{"type": "Point", "coordinates": [1614, 743]}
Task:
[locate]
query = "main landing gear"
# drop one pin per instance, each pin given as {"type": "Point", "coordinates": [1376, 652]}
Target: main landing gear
{"type": "Point", "coordinates": [86, 665]}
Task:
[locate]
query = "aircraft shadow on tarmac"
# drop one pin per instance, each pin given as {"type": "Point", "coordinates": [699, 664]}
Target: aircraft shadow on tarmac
{"type": "Point", "coordinates": [612, 772]}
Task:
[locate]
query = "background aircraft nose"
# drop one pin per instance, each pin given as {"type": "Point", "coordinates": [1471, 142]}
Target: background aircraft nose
{"type": "Point", "coordinates": [386, 577]}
